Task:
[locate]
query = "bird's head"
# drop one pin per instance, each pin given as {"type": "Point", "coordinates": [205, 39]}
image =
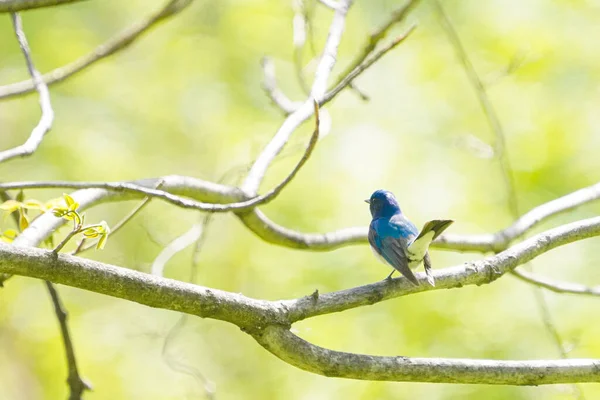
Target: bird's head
{"type": "Point", "coordinates": [383, 204]}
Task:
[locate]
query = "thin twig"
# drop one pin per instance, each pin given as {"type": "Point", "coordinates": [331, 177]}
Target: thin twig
{"type": "Point", "coordinates": [117, 43]}
{"type": "Point", "coordinates": [186, 203]}
{"type": "Point", "coordinates": [45, 123]}
{"type": "Point", "coordinates": [180, 243]}
{"type": "Point", "coordinates": [556, 286]}
{"type": "Point", "coordinates": [76, 384]}
{"type": "Point", "coordinates": [299, 25]}
{"type": "Point", "coordinates": [81, 247]}
{"type": "Point", "coordinates": [396, 17]}
{"type": "Point", "coordinates": [370, 60]}
{"type": "Point", "coordinates": [504, 160]}
{"type": "Point", "coordinates": [486, 105]}
{"type": "Point", "coordinates": [295, 119]}
{"type": "Point", "coordinates": [208, 386]}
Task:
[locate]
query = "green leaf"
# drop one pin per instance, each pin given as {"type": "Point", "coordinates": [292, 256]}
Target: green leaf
{"type": "Point", "coordinates": [71, 204]}
{"type": "Point", "coordinates": [11, 206]}
{"type": "Point", "coordinates": [91, 232]}
{"type": "Point", "coordinates": [33, 204]}
{"type": "Point", "coordinates": [20, 196]}
{"type": "Point", "coordinates": [59, 212]}
{"type": "Point", "coordinates": [9, 235]}
{"type": "Point", "coordinates": [23, 220]}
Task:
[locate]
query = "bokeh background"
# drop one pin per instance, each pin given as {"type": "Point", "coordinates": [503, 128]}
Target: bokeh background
{"type": "Point", "coordinates": [187, 99]}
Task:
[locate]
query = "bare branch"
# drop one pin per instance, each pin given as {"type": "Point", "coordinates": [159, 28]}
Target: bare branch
{"type": "Point", "coordinates": [266, 157]}
{"type": "Point", "coordinates": [21, 5]}
{"type": "Point", "coordinates": [179, 201]}
{"type": "Point", "coordinates": [178, 244]}
{"type": "Point", "coordinates": [269, 231]}
{"type": "Point", "coordinates": [309, 357]}
{"type": "Point", "coordinates": [45, 123]}
{"type": "Point", "coordinates": [81, 247]}
{"type": "Point", "coordinates": [242, 311]}
{"type": "Point", "coordinates": [556, 286]}
{"type": "Point", "coordinates": [268, 321]}
{"type": "Point", "coordinates": [503, 158]}
{"type": "Point", "coordinates": [379, 34]}
{"type": "Point", "coordinates": [76, 384]}
{"type": "Point", "coordinates": [110, 47]}
{"type": "Point", "coordinates": [370, 60]}
{"type": "Point", "coordinates": [486, 105]}
{"type": "Point", "coordinates": [472, 273]}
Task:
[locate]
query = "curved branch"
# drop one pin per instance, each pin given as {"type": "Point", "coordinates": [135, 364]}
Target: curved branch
{"type": "Point", "coordinates": [110, 47]}
{"type": "Point", "coordinates": [45, 123]}
{"type": "Point", "coordinates": [262, 226]}
{"type": "Point", "coordinates": [22, 5]}
{"type": "Point", "coordinates": [177, 200]}
{"type": "Point", "coordinates": [556, 286]}
{"type": "Point", "coordinates": [174, 295]}
{"type": "Point", "coordinates": [295, 119]}
{"type": "Point", "coordinates": [397, 16]}
{"type": "Point", "coordinates": [309, 357]}
{"type": "Point", "coordinates": [137, 286]}
{"type": "Point", "coordinates": [472, 273]}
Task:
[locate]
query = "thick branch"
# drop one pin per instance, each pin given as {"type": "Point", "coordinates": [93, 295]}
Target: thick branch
{"type": "Point", "coordinates": [268, 321]}
{"type": "Point", "coordinates": [472, 273]}
{"type": "Point", "coordinates": [309, 357]}
{"type": "Point", "coordinates": [242, 311]}
{"type": "Point", "coordinates": [137, 286]}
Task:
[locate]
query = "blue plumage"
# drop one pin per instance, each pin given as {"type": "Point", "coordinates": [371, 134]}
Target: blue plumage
{"type": "Point", "coordinates": [397, 240]}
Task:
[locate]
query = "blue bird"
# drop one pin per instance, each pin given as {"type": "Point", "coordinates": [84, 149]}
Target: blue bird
{"type": "Point", "coordinates": [397, 241]}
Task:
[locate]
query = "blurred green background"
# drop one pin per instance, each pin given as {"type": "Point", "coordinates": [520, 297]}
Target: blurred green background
{"type": "Point", "coordinates": [187, 99]}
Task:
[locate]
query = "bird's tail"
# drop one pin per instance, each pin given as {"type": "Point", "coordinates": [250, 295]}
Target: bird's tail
{"type": "Point", "coordinates": [430, 231]}
{"type": "Point", "coordinates": [418, 247]}
{"type": "Point", "coordinates": [437, 226]}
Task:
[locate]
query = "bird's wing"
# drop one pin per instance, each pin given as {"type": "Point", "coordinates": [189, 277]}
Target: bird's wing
{"type": "Point", "coordinates": [388, 238]}
{"type": "Point", "coordinates": [432, 229]}
{"type": "Point", "coordinates": [393, 251]}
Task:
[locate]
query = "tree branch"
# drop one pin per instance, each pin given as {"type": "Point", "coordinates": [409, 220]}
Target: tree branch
{"type": "Point", "coordinates": [363, 66]}
{"type": "Point", "coordinates": [179, 201]}
{"type": "Point", "coordinates": [267, 230]}
{"type": "Point", "coordinates": [45, 123]}
{"type": "Point", "coordinates": [397, 16]}
{"type": "Point", "coordinates": [556, 286]}
{"type": "Point", "coordinates": [295, 119]}
{"type": "Point", "coordinates": [268, 321]}
{"type": "Point", "coordinates": [76, 384]}
{"type": "Point", "coordinates": [309, 357]}
{"type": "Point", "coordinates": [110, 47]}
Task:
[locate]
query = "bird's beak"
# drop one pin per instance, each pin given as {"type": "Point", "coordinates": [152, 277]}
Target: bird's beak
{"type": "Point", "coordinates": [368, 201]}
